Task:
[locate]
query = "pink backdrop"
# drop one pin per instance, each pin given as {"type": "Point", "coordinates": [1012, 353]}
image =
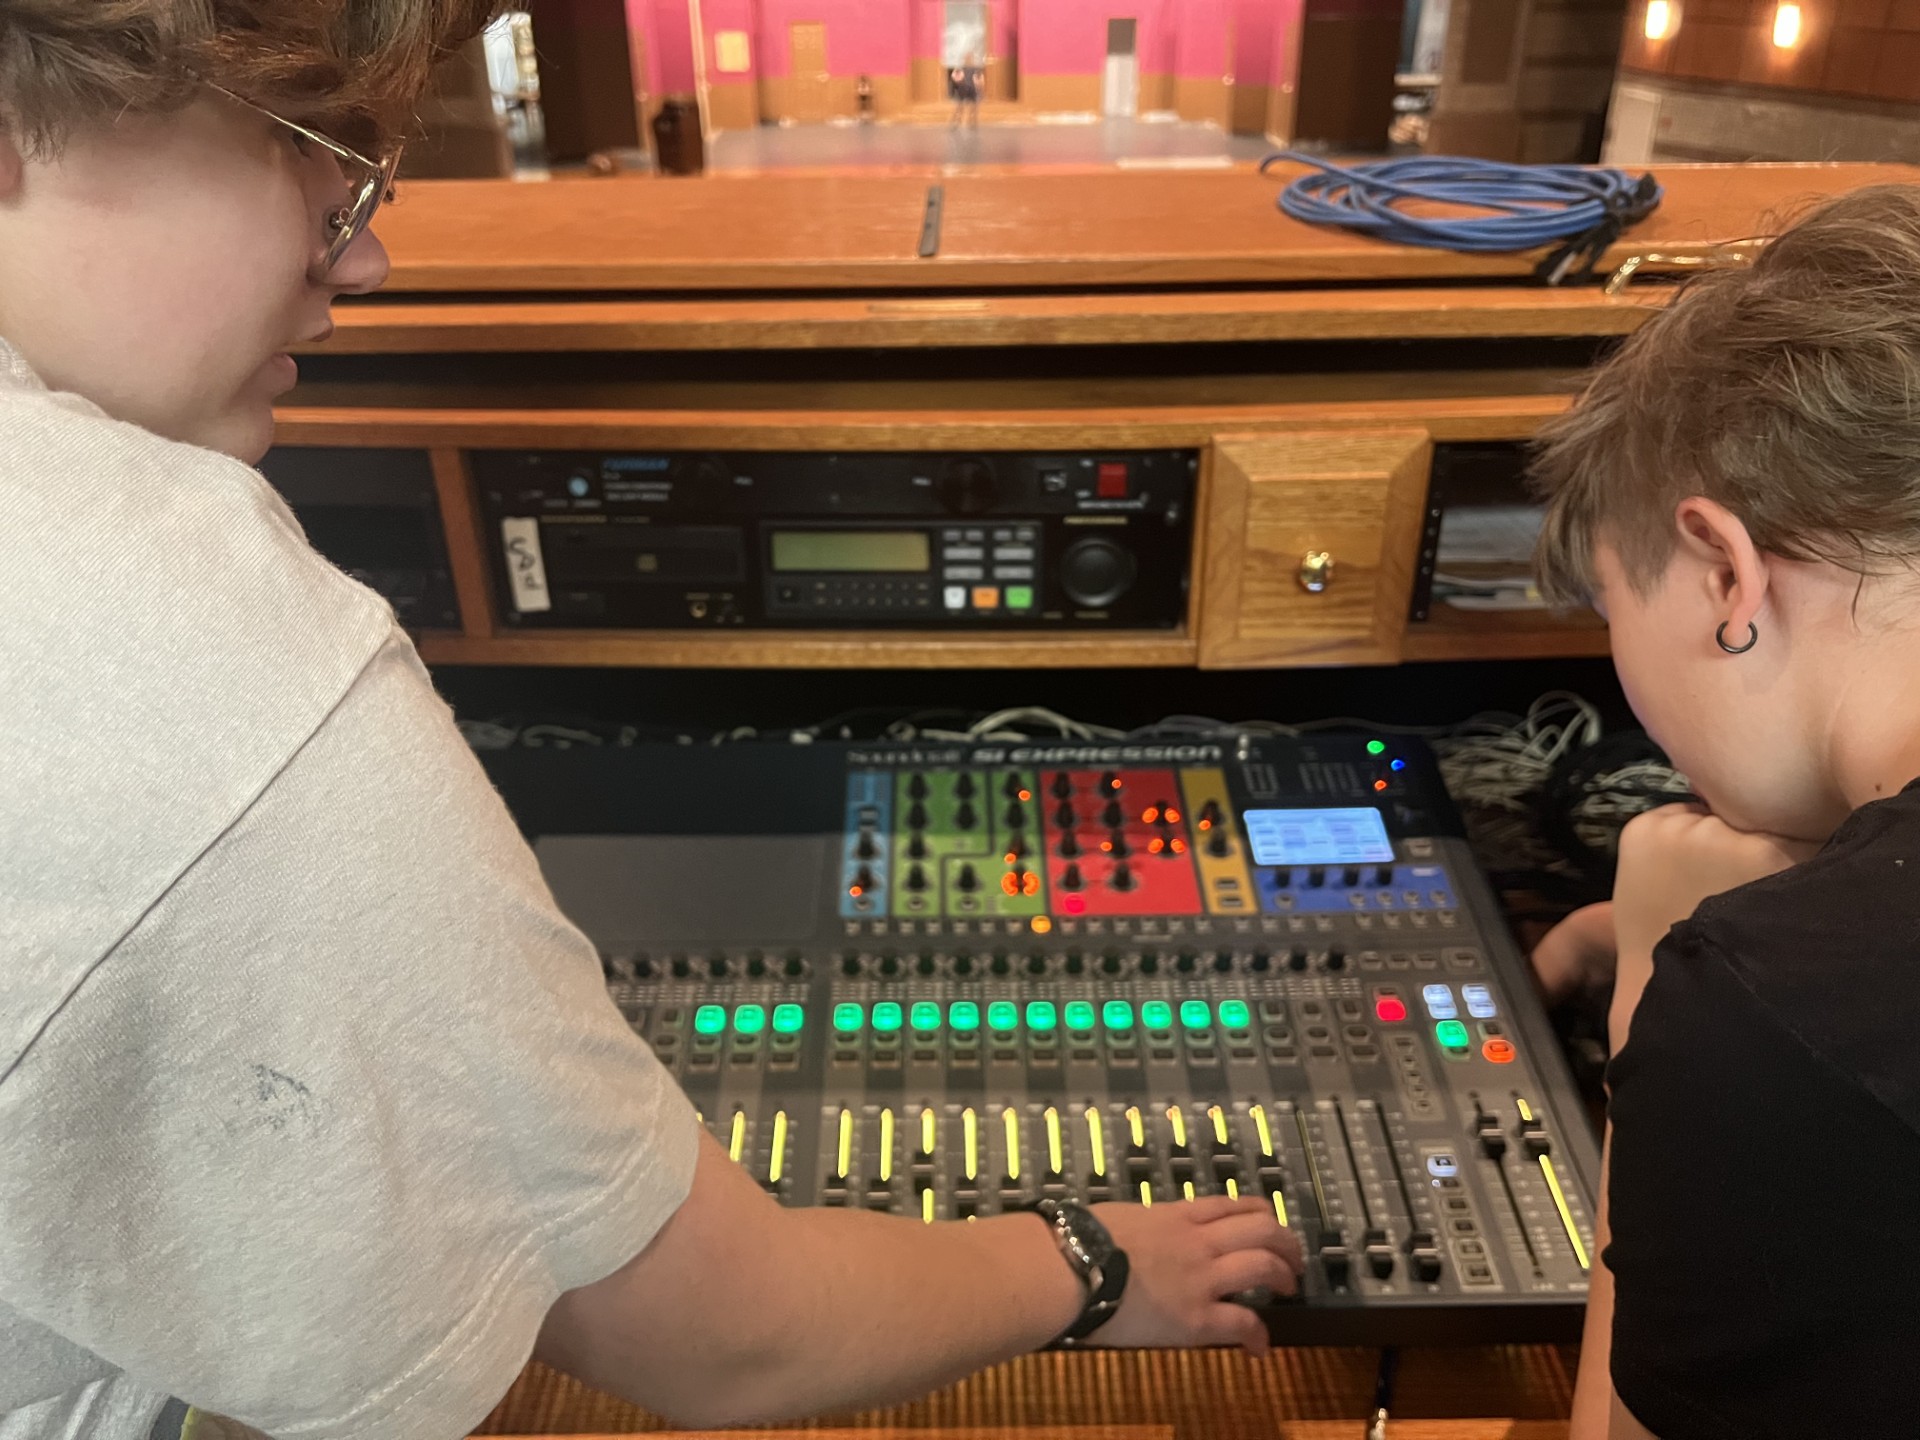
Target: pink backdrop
{"type": "Point", "coordinates": [1046, 37]}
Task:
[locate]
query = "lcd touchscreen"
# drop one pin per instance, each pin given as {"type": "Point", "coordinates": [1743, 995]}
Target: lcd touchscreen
{"type": "Point", "coordinates": [1318, 837]}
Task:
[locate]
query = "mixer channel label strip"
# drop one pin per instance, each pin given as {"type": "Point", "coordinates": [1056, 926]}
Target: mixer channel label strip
{"type": "Point", "coordinates": [1020, 973]}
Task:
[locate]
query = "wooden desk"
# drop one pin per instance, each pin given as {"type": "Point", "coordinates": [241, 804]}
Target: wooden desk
{"type": "Point", "coordinates": [1513, 1393]}
{"type": "Point", "coordinates": [1314, 370]}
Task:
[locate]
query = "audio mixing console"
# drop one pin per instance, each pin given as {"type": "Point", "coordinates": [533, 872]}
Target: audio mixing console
{"type": "Point", "coordinates": [948, 980]}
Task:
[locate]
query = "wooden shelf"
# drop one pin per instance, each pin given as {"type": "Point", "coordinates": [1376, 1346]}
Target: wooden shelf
{"type": "Point", "coordinates": [1450, 634]}
{"type": "Point", "coordinates": [1124, 229]}
{"type": "Point", "coordinates": [817, 649]}
{"type": "Point", "coordinates": [519, 325]}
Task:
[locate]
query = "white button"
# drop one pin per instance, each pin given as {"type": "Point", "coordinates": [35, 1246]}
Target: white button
{"type": "Point", "coordinates": [966, 552]}
{"type": "Point", "coordinates": [965, 572]}
{"type": "Point", "coordinates": [956, 596]}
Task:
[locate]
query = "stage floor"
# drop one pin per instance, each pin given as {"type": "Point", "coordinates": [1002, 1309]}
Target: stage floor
{"type": "Point", "coordinates": [1095, 144]}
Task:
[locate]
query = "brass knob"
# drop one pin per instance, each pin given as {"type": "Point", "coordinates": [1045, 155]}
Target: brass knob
{"type": "Point", "coordinates": [1316, 571]}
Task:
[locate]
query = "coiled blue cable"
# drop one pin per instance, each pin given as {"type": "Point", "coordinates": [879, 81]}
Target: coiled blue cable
{"type": "Point", "coordinates": [1531, 205]}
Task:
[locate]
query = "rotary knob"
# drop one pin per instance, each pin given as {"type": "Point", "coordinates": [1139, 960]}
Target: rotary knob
{"type": "Point", "coordinates": [968, 487]}
{"type": "Point", "coordinates": [1095, 573]}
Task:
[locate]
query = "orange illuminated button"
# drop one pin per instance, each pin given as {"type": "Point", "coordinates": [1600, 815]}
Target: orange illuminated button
{"type": "Point", "coordinates": [986, 597]}
{"type": "Point", "coordinates": [1499, 1051]}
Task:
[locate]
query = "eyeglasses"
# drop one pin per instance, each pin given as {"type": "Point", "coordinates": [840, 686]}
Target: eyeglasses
{"type": "Point", "coordinates": [371, 182]}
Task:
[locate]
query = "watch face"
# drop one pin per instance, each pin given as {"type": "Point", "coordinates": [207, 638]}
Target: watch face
{"type": "Point", "coordinates": [1087, 1234]}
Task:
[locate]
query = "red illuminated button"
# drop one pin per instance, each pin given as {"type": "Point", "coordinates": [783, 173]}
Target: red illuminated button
{"type": "Point", "coordinates": [1389, 1009]}
{"type": "Point", "coordinates": [1113, 480]}
{"type": "Point", "coordinates": [1499, 1051]}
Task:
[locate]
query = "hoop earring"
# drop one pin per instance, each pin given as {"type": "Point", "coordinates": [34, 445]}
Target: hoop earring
{"type": "Point", "coordinates": [1753, 639]}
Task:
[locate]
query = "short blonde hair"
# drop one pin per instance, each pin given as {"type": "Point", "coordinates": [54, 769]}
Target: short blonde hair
{"type": "Point", "coordinates": [1787, 390]}
{"type": "Point", "coordinates": [353, 66]}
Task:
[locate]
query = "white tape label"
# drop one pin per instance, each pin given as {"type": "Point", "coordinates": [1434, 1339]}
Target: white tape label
{"type": "Point", "coordinates": [526, 567]}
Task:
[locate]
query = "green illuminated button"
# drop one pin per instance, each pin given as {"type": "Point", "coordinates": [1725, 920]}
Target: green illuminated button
{"type": "Point", "coordinates": [1157, 1015]}
{"type": "Point", "coordinates": [886, 1017]}
{"type": "Point", "coordinates": [750, 1019]}
{"type": "Point", "coordinates": [926, 1016]}
{"type": "Point", "coordinates": [1196, 1015]}
{"type": "Point", "coordinates": [964, 1015]}
{"type": "Point", "coordinates": [1118, 1014]}
{"type": "Point", "coordinates": [1019, 597]}
{"type": "Point", "coordinates": [787, 1019]}
{"type": "Point", "coordinates": [1079, 1015]}
{"type": "Point", "coordinates": [1235, 1015]}
{"type": "Point", "coordinates": [1003, 1015]}
{"type": "Point", "coordinates": [709, 1020]}
{"type": "Point", "coordinates": [1041, 1015]}
{"type": "Point", "coordinates": [849, 1017]}
{"type": "Point", "coordinates": [1451, 1034]}
{"type": "Point", "coordinates": [1376, 747]}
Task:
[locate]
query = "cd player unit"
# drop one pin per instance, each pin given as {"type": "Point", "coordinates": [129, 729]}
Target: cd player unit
{"type": "Point", "coordinates": [848, 540]}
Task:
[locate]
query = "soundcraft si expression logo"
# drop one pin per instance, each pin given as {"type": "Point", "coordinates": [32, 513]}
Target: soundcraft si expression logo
{"type": "Point", "coordinates": [915, 757]}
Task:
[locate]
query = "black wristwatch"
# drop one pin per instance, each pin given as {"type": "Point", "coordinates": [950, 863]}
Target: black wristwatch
{"type": "Point", "coordinates": [1100, 1264]}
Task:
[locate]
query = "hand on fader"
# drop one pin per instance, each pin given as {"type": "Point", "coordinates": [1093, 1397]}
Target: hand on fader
{"type": "Point", "coordinates": [1185, 1260]}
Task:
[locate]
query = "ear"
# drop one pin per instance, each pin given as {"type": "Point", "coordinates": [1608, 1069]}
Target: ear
{"type": "Point", "coordinates": [1735, 574]}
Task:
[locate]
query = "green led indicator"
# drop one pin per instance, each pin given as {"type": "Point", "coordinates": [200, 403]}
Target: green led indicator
{"type": "Point", "coordinates": [1118, 1014]}
{"type": "Point", "coordinates": [926, 1016]}
{"type": "Point", "coordinates": [1376, 747]}
{"type": "Point", "coordinates": [1041, 1015]}
{"type": "Point", "coordinates": [1195, 1015]}
{"type": "Point", "coordinates": [849, 1017]}
{"type": "Point", "coordinates": [964, 1015]}
{"type": "Point", "coordinates": [1157, 1015]}
{"type": "Point", "coordinates": [750, 1019]}
{"type": "Point", "coordinates": [1079, 1015]}
{"type": "Point", "coordinates": [886, 1017]}
{"type": "Point", "coordinates": [709, 1020]}
{"type": "Point", "coordinates": [1235, 1015]}
{"type": "Point", "coordinates": [1452, 1034]}
{"type": "Point", "coordinates": [1004, 1016]}
{"type": "Point", "coordinates": [787, 1019]}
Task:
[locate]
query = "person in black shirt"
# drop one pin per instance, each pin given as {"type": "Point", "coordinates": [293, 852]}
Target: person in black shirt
{"type": "Point", "coordinates": [1738, 491]}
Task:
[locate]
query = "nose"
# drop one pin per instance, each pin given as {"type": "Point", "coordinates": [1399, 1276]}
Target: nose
{"type": "Point", "coordinates": [363, 268]}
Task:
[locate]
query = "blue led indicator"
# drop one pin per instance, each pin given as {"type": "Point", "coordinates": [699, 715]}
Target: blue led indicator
{"type": "Point", "coordinates": [1479, 1001]}
{"type": "Point", "coordinates": [1439, 1000]}
{"type": "Point", "coordinates": [1399, 765]}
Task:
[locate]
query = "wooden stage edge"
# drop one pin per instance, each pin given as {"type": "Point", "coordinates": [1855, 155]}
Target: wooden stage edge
{"type": "Point", "coordinates": [1513, 1392]}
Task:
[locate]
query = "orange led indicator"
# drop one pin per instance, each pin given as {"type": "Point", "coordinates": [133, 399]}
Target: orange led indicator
{"type": "Point", "coordinates": [1172, 816]}
{"type": "Point", "coordinates": [1041, 924]}
{"type": "Point", "coordinates": [1030, 884]}
{"type": "Point", "coordinates": [856, 891]}
{"type": "Point", "coordinates": [1107, 845]}
{"type": "Point", "coordinates": [1025, 795]}
{"type": "Point", "coordinates": [1010, 883]}
{"type": "Point", "coordinates": [1205, 825]}
{"type": "Point", "coordinates": [1156, 845]}
{"type": "Point", "coordinates": [1179, 846]}
{"type": "Point", "coordinates": [1150, 814]}
{"type": "Point", "coordinates": [1379, 784]}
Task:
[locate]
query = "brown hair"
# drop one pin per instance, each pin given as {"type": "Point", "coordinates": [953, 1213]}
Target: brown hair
{"type": "Point", "coordinates": [352, 65]}
{"type": "Point", "coordinates": [1787, 390]}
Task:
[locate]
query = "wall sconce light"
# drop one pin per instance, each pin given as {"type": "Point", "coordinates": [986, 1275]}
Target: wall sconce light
{"type": "Point", "coordinates": [1786, 25]}
{"type": "Point", "coordinates": [1660, 19]}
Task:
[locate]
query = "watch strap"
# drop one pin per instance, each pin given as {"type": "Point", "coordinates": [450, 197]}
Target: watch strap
{"type": "Point", "coordinates": [1100, 1265]}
